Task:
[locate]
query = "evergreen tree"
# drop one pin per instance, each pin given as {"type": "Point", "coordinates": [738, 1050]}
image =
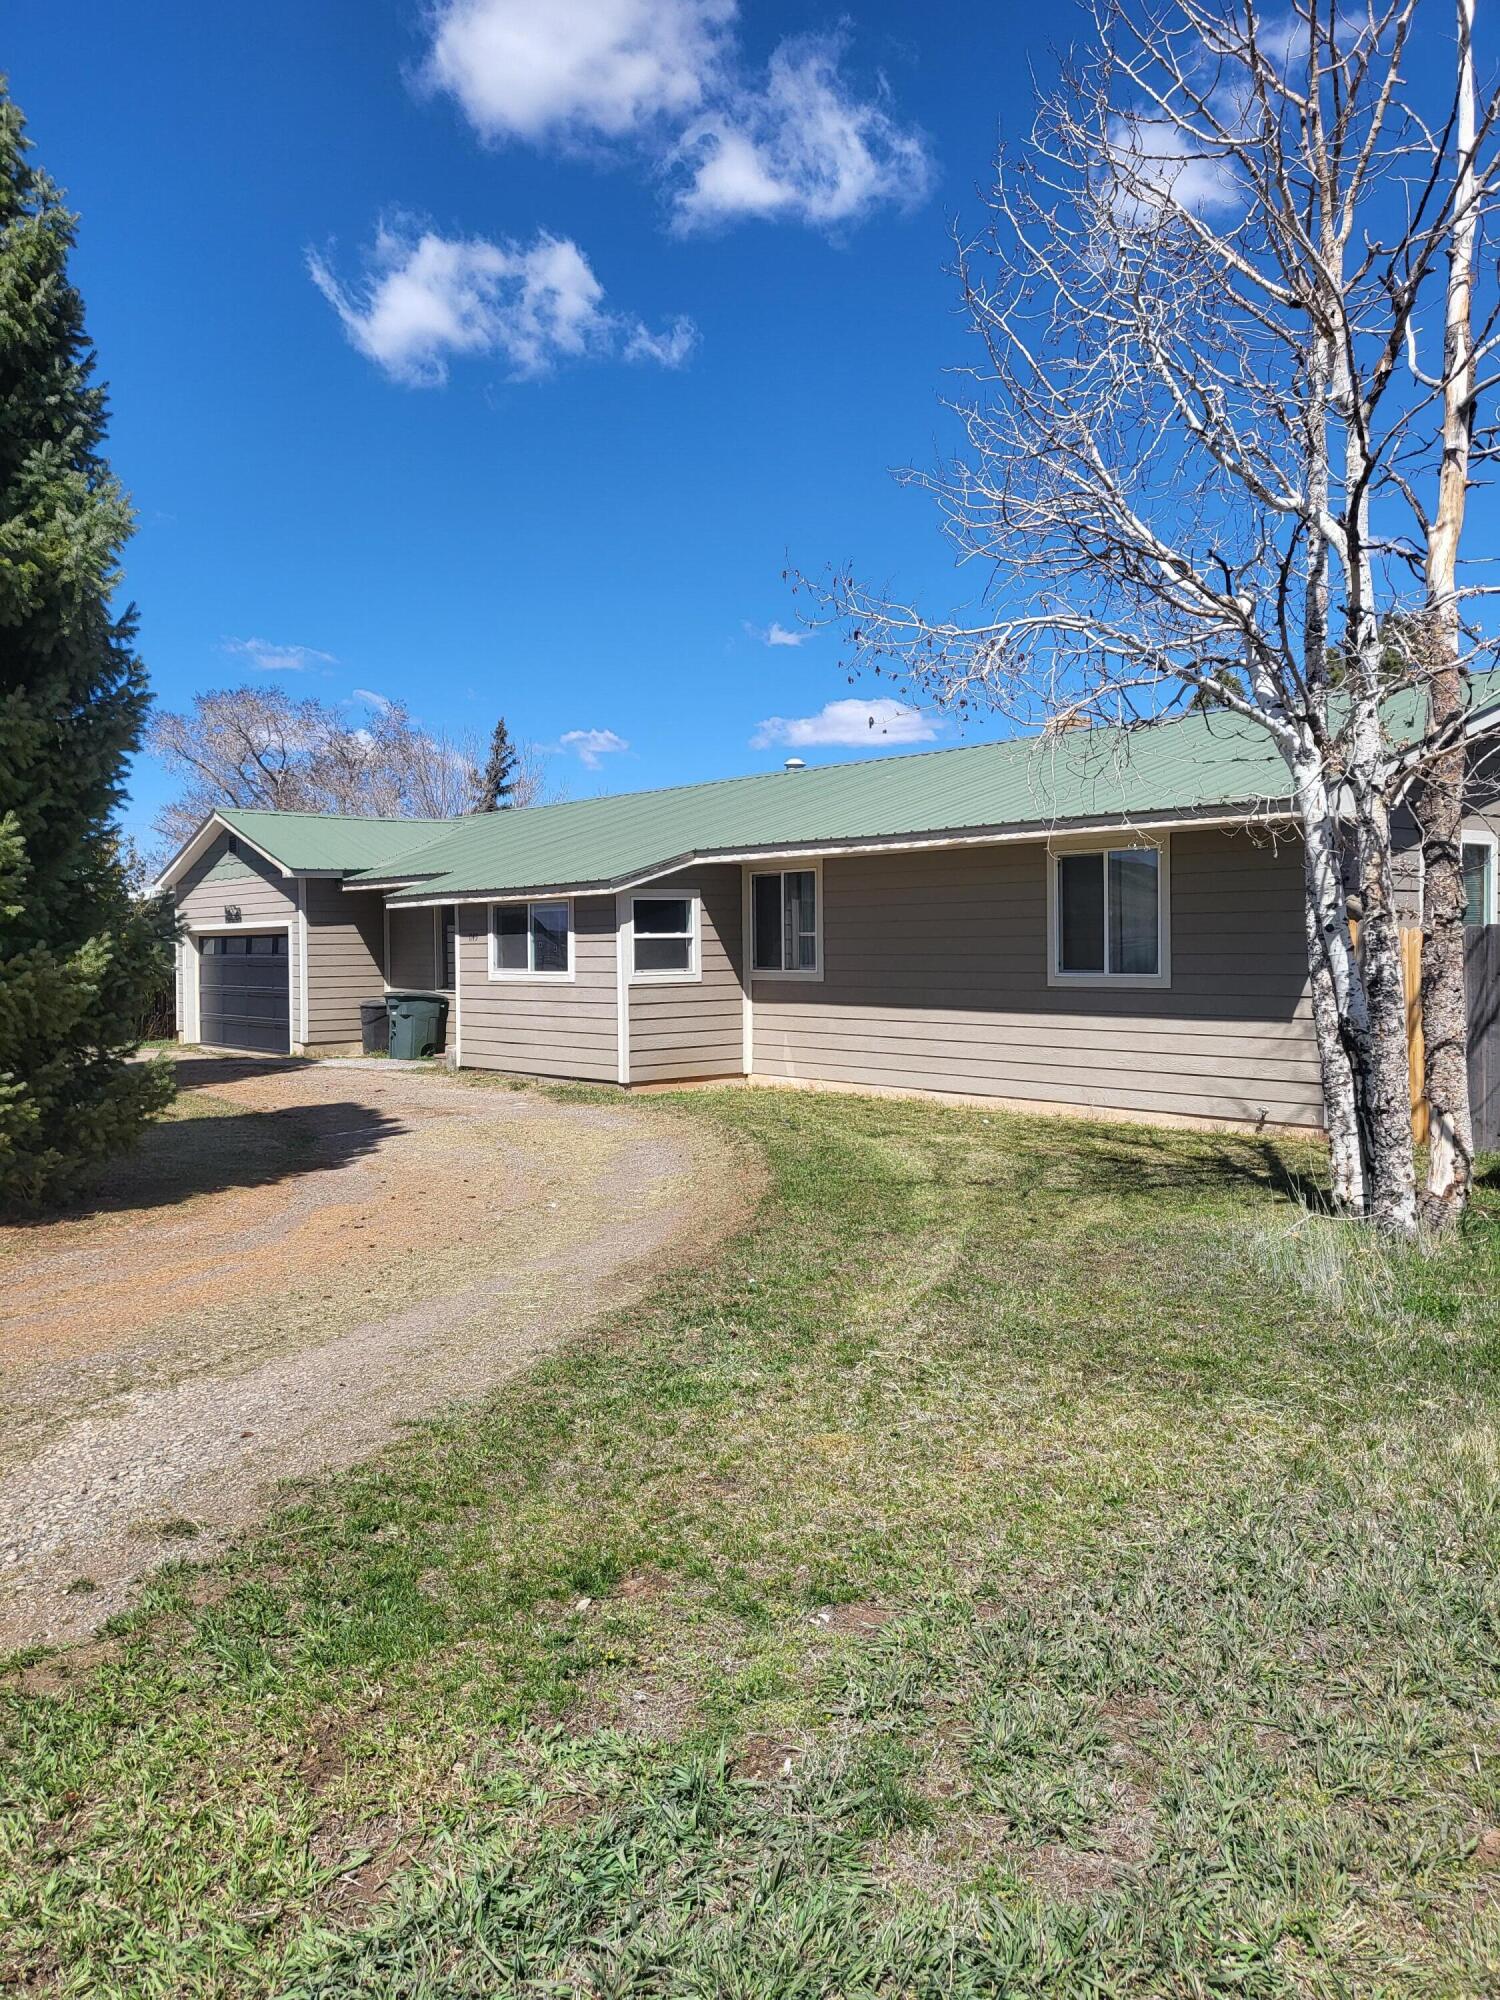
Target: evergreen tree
{"type": "Point", "coordinates": [497, 783]}
{"type": "Point", "coordinates": [79, 959]}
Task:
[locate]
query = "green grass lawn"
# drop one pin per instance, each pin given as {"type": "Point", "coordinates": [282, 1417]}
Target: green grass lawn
{"type": "Point", "coordinates": [1035, 1558]}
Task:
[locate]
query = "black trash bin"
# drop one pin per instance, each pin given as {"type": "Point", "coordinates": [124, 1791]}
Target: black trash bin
{"type": "Point", "coordinates": [374, 1027]}
{"type": "Point", "coordinates": [418, 1024]}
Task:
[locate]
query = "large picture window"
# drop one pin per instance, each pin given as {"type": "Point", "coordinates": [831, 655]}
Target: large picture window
{"type": "Point", "coordinates": [784, 912]}
{"type": "Point", "coordinates": [665, 934]}
{"type": "Point", "coordinates": [531, 940]}
{"type": "Point", "coordinates": [1108, 908]}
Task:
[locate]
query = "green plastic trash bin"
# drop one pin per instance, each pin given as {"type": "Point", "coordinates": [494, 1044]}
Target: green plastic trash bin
{"type": "Point", "coordinates": [418, 1023]}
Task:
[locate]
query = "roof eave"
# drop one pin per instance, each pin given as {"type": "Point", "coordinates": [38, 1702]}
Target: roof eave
{"type": "Point", "coordinates": [1250, 811]}
{"type": "Point", "coordinates": [191, 848]}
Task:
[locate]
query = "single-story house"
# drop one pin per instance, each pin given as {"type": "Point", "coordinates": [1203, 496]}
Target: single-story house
{"type": "Point", "coordinates": [1095, 919]}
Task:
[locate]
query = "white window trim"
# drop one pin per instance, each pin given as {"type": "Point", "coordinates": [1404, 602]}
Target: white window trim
{"type": "Point", "coordinates": [808, 867]}
{"type": "Point", "coordinates": [303, 1005]}
{"type": "Point", "coordinates": [530, 978]}
{"type": "Point", "coordinates": [622, 990]}
{"type": "Point", "coordinates": [694, 974]}
{"type": "Point", "coordinates": [1097, 844]}
{"type": "Point", "coordinates": [1483, 836]}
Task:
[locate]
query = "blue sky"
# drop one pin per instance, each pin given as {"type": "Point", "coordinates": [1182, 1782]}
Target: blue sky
{"type": "Point", "coordinates": [492, 374]}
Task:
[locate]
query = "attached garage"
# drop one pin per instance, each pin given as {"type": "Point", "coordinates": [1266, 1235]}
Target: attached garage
{"type": "Point", "coordinates": [244, 992]}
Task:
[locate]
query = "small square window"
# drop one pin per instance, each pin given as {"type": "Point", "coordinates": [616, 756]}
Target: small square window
{"type": "Point", "coordinates": [665, 944]}
{"type": "Point", "coordinates": [531, 938]}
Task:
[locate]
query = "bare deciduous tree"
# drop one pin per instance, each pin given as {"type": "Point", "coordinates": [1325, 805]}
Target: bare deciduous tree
{"type": "Point", "coordinates": [258, 747]}
{"type": "Point", "coordinates": [1202, 452]}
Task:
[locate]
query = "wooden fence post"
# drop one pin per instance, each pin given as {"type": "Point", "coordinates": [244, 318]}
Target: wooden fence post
{"type": "Point", "coordinates": [1416, 1055]}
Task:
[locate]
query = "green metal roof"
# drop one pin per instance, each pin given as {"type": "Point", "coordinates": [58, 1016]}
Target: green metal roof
{"type": "Point", "coordinates": [328, 840]}
{"type": "Point", "coordinates": [1199, 763]}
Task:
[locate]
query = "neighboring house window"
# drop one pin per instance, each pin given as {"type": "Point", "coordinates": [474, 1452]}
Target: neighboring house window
{"type": "Point", "coordinates": [448, 919]}
{"type": "Point", "coordinates": [1479, 882]}
{"type": "Point", "coordinates": [231, 846]}
{"type": "Point", "coordinates": [1108, 910]}
{"type": "Point", "coordinates": [665, 933]}
{"type": "Point", "coordinates": [785, 921]}
{"type": "Point", "coordinates": [531, 939]}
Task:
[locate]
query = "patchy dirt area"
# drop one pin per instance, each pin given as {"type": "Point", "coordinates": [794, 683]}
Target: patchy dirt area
{"type": "Point", "coordinates": [304, 1257]}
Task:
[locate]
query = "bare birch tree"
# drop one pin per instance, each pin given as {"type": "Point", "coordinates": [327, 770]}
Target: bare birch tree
{"type": "Point", "coordinates": [259, 747]}
{"type": "Point", "coordinates": [1197, 445]}
{"type": "Point", "coordinates": [1438, 794]}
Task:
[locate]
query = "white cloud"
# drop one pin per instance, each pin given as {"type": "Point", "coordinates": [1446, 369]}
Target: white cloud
{"type": "Point", "coordinates": [805, 146]}
{"type": "Point", "coordinates": [274, 659]}
{"type": "Point", "coordinates": [670, 349]}
{"type": "Point", "coordinates": [373, 700]}
{"type": "Point", "coordinates": [589, 745]}
{"type": "Point", "coordinates": [1154, 165]}
{"type": "Point", "coordinates": [848, 722]}
{"type": "Point", "coordinates": [779, 635]}
{"type": "Point", "coordinates": [798, 142]}
{"type": "Point", "coordinates": [529, 69]}
{"type": "Point", "coordinates": [426, 298]}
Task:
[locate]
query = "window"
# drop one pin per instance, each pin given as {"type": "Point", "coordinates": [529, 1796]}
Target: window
{"type": "Point", "coordinates": [531, 940]}
{"type": "Point", "coordinates": [273, 946]}
{"type": "Point", "coordinates": [1108, 916]}
{"type": "Point", "coordinates": [448, 932]}
{"type": "Point", "coordinates": [665, 932]}
{"type": "Point", "coordinates": [1479, 882]}
{"type": "Point", "coordinates": [784, 910]}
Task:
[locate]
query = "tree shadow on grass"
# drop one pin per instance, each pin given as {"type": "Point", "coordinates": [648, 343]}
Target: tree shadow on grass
{"type": "Point", "coordinates": [215, 1151]}
{"type": "Point", "coordinates": [1132, 1161]}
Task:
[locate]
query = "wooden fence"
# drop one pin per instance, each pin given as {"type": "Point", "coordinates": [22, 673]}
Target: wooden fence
{"type": "Point", "coordinates": [1482, 976]}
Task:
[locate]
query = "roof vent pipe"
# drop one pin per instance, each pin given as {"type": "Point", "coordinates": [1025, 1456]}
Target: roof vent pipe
{"type": "Point", "coordinates": [794, 764]}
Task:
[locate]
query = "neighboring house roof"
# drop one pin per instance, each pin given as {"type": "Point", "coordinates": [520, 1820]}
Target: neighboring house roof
{"type": "Point", "coordinates": [313, 843]}
{"type": "Point", "coordinates": [1197, 765]}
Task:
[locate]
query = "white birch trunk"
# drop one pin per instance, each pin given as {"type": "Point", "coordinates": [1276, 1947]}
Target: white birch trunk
{"type": "Point", "coordinates": [1439, 795]}
{"type": "Point", "coordinates": [1333, 975]}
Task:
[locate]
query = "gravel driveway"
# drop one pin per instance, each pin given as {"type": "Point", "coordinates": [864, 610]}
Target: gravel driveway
{"type": "Point", "coordinates": [304, 1257]}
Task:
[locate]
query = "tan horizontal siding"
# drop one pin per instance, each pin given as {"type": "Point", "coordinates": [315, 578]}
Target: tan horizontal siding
{"type": "Point", "coordinates": [345, 936]}
{"type": "Point", "coordinates": [413, 949]}
{"type": "Point", "coordinates": [1224, 1104]}
{"type": "Point", "coordinates": [1208, 1040]}
{"type": "Point", "coordinates": [935, 978]}
{"type": "Point", "coordinates": [1406, 864]}
{"type": "Point", "coordinates": [219, 880]}
{"type": "Point", "coordinates": [696, 1027]}
{"type": "Point", "coordinates": [566, 1028]}
{"type": "Point", "coordinates": [1245, 1059]}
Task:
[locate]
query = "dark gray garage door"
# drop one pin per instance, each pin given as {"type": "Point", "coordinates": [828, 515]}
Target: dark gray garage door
{"type": "Point", "coordinates": [244, 994]}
